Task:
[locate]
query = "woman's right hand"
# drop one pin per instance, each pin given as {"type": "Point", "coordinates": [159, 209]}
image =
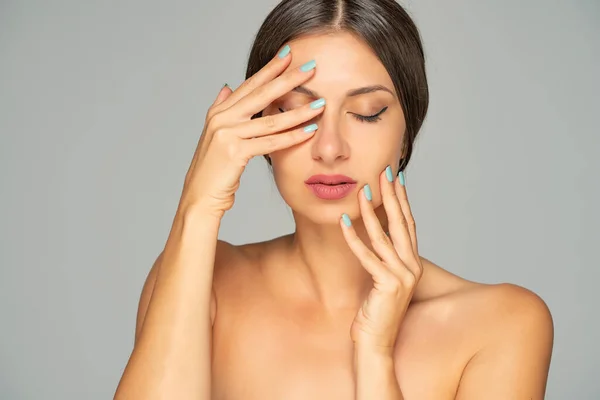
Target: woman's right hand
{"type": "Point", "coordinates": [230, 137]}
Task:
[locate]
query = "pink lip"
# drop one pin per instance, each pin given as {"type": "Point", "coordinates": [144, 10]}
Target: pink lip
{"type": "Point", "coordinates": [330, 187]}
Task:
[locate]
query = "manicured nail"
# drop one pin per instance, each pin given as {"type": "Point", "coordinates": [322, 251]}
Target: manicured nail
{"type": "Point", "coordinates": [346, 219]}
{"type": "Point", "coordinates": [368, 194]}
{"type": "Point", "coordinates": [310, 128]}
{"type": "Point", "coordinates": [388, 174]}
{"type": "Point", "coordinates": [224, 86]}
{"type": "Point", "coordinates": [308, 66]}
{"type": "Point", "coordinates": [284, 52]}
{"type": "Point", "coordinates": [317, 103]}
{"type": "Point", "coordinates": [401, 178]}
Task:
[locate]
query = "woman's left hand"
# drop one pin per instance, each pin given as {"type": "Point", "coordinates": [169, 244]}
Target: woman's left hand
{"type": "Point", "coordinates": [396, 268]}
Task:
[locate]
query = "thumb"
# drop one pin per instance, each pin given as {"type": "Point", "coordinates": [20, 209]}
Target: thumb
{"type": "Point", "coordinates": [223, 94]}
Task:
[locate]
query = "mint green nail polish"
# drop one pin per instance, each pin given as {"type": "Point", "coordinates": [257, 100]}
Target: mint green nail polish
{"type": "Point", "coordinates": [346, 219]}
{"type": "Point", "coordinates": [368, 193]}
{"type": "Point", "coordinates": [284, 52]}
{"type": "Point", "coordinates": [317, 103]}
{"type": "Point", "coordinates": [310, 128]}
{"type": "Point", "coordinates": [401, 178]}
{"type": "Point", "coordinates": [308, 66]}
{"type": "Point", "coordinates": [388, 174]}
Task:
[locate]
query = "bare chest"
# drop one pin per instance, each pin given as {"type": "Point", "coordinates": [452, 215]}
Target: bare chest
{"type": "Point", "coordinates": [263, 351]}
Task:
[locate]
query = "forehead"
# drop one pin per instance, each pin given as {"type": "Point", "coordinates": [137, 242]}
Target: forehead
{"type": "Point", "coordinates": [343, 61]}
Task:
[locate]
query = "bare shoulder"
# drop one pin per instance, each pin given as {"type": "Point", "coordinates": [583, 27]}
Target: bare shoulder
{"type": "Point", "coordinates": [509, 301]}
{"type": "Point", "coordinates": [490, 338]}
{"type": "Point", "coordinates": [235, 271]}
{"type": "Point", "coordinates": [233, 262]}
{"type": "Point", "coordinates": [509, 334]}
{"type": "Point", "coordinates": [500, 306]}
{"type": "Point", "coordinates": [505, 325]}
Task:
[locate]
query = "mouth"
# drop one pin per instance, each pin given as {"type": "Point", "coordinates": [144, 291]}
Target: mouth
{"type": "Point", "coordinates": [329, 180]}
{"type": "Point", "coordinates": [330, 187]}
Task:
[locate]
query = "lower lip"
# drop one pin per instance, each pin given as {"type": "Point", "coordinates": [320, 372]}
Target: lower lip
{"type": "Point", "coordinates": [331, 192]}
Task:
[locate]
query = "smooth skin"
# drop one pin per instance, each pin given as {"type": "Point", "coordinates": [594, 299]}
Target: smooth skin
{"type": "Point", "coordinates": [300, 316]}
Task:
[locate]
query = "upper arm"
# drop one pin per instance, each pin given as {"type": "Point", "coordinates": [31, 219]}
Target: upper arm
{"type": "Point", "coordinates": [514, 364]}
{"type": "Point", "coordinates": [146, 295]}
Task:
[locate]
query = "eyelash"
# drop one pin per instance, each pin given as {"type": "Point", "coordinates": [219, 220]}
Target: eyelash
{"type": "Point", "coordinates": [363, 118]}
{"type": "Point", "coordinates": [370, 118]}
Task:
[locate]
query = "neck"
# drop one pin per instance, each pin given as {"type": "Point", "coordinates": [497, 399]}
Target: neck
{"type": "Point", "coordinates": [328, 271]}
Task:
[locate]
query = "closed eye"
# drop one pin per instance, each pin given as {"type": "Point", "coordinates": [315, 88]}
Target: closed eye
{"type": "Point", "coordinates": [363, 118]}
{"type": "Point", "coordinates": [370, 118]}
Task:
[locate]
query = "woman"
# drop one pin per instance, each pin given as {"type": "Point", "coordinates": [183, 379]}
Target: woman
{"type": "Point", "coordinates": [344, 307]}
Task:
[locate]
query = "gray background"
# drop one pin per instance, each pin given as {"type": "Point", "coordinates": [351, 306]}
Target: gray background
{"type": "Point", "coordinates": [101, 105]}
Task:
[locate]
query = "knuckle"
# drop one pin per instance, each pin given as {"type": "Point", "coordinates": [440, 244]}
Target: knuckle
{"type": "Point", "coordinates": [408, 279]}
{"type": "Point", "coordinates": [261, 92]}
{"type": "Point", "coordinates": [214, 120]}
{"type": "Point", "coordinates": [220, 133]}
{"type": "Point", "coordinates": [269, 121]}
{"type": "Point", "coordinates": [403, 221]}
{"type": "Point", "coordinates": [381, 239]}
{"type": "Point", "coordinates": [251, 83]}
{"type": "Point", "coordinates": [271, 143]}
{"type": "Point", "coordinates": [210, 113]}
{"type": "Point", "coordinates": [418, 270]}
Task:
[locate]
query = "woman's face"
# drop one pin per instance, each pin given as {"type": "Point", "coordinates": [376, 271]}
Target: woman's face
{"type": "Point", "coordinates": [343, 144]}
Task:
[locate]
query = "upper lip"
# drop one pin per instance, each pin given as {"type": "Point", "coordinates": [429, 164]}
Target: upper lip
{"type": "Point", "coordinates": [329, 179]}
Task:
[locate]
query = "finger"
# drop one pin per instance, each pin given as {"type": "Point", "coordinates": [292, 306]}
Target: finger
{"type": "Point", "coordinates": [266, 74]}
{"type": "Point", "coordinates": [270, 124]}
{"type": "Point", "coordinates": [400, 189]}
{"type": "Point", "coordinates": [397, 224]}
{"type": "Point", "coordinates": [224, 93]}
{"type": "Point", "coordinates": [380, 273]}
{"type": "Point", "coordinates": [382, 244]}
{"type": "Point", "coordinates": [267, 144]}
{"type": "Point", "coordinates": [264, 95]}
{"type": "Point", "coordinates": [399, 227]}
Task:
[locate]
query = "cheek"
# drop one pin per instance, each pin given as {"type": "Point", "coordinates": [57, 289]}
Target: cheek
{"type": "Point", "coordinates": [288, 164]}
{"type": "Point", "coordinates": [378, 145]}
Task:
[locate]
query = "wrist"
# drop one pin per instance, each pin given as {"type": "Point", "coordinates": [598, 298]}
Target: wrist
{"type": "Point", "coordinates": [190, 217]}
{"type": "Point", "coordinates": [366, 357]}
{"type": "Point", "coordinates": [375, 373]}
{"type": "Point", "coordinates": [373, 350]}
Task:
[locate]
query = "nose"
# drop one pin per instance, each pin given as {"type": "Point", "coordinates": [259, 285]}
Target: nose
{"type": "Point", "coordinates": [329, 145]}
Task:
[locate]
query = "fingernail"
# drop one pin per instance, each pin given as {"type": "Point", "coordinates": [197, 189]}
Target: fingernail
{"type": "Point", "coordinates": [346, 219]}
{"type": "Point", "coordinates": [401, 178]}
{"type": "Point", "coordinates": [224, 86]}
{"type": "Point", "coordinates": [310, 128]}
{"type": "Point", "coordinates": [308, 66]}
{"type": "Point", "coordinates": [284, 52]}
{"type": "Point", "coordinates": [317, 103]}
{"type": "Point", "coordinates": [368, 194]}
{"type": "Point", "coordinates": [388, 174]}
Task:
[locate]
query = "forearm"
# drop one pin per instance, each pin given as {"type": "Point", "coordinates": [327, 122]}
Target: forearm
{"type": "Point", "coordinates": [375, 375]}
{"type": "Point", "coordinates": [171, 358]}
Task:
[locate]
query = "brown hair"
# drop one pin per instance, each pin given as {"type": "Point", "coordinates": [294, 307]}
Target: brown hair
{"type": "Point", "coordinates": [382, 24]}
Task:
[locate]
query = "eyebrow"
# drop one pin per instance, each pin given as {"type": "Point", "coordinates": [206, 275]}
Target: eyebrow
{"type": "Point", "coordinates": [349, 93]}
